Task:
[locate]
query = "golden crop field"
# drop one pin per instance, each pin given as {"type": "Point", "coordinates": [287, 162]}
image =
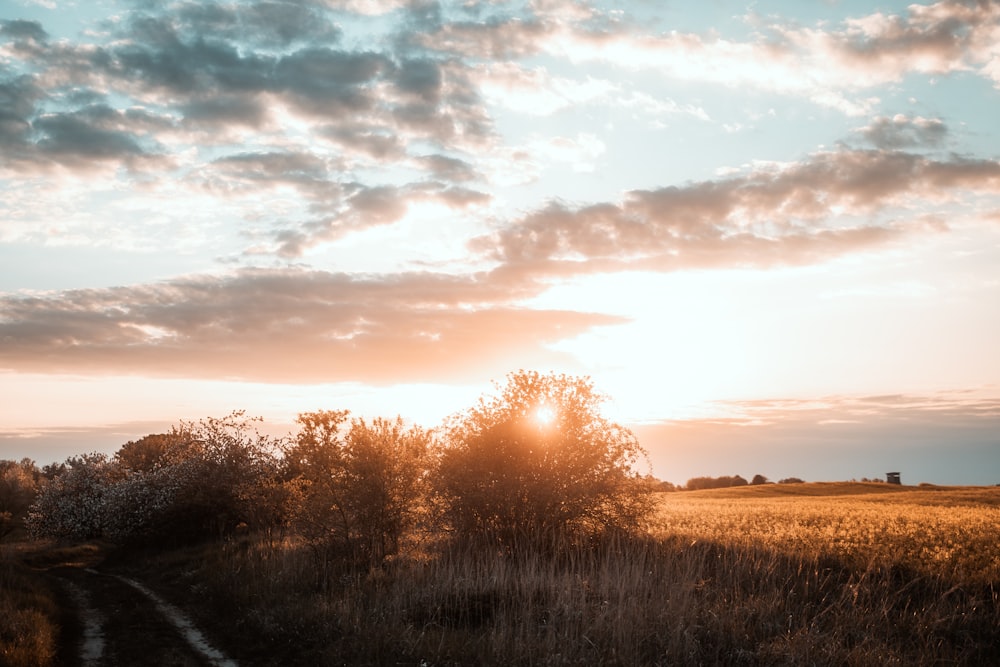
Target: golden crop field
{"type": "Point", "coordinates": [945, 532]}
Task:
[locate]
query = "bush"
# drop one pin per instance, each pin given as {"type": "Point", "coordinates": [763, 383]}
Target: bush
{"type": "Point", "coordinates": [357, 491]}
{"type": "Point", "coordinates": [200, 480]}
{"type": "Point", "coordinates": [224, 474]}
{"type": "Point", "coordinates": [72, 504]}
{"type": "Point", "coordinates": [18, 488]}
{"type": "Point", "coordinates": [539, 461]}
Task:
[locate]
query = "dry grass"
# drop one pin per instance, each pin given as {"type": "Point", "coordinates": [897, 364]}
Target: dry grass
{"type": "Point", "coordinates": [747, 576]}
{"type": "Point", "coordinates": [29, 611]}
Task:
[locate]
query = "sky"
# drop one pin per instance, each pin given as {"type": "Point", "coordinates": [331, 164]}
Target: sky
{"type": "Point", "coordinates": [769, 232]}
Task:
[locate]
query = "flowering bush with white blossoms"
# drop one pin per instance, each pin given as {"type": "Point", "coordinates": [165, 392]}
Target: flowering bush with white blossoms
{"type": "Point", "coordinates": [134, 505]}
{"type": "Point", "coordinates": [73, 503]}
{"type": "Point", "coordinates": [198, 480]}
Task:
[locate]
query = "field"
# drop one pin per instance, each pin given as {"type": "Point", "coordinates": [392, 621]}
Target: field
{"type": "Point", "coordinates": [825, 574]}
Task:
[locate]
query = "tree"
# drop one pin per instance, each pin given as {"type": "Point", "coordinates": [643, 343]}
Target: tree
{"type": "Point", "coordinates": [539, 461]}
{"type": "Point", "coordinates": [358, 486]}
{"type": "Point", "coordinates": [226, 474]}
{"type": "Point", "coordinates": [758, 480]}
{"type": "Point", "coordinates": [724, 482]}
{"type": "Point", "coordinates": [18, 488]}
{"type": "Point", "coordinates": [384, 463]}
{"type": "Point", "coordinates": [155, 450]}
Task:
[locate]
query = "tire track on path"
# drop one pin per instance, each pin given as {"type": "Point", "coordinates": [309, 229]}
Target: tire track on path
{"type": "Point", "coordinates": [92, 622]}
{"type": "Point", "coordinates": [124, 623]}
{"type": "Point", "coordinates": [184, 625]}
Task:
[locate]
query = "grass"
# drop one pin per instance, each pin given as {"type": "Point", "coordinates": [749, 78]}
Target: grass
{"type": "Point", "coordinates": [822, 574]}
{"type": "Point", "coordinates": [29, 613]}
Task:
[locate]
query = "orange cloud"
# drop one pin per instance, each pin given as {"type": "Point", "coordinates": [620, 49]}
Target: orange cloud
{"type": "Point", "coordinates": [288, 326]}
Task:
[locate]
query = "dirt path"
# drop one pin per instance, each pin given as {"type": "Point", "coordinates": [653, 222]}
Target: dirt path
{"type": "Point", "coordinates": [119, 621]}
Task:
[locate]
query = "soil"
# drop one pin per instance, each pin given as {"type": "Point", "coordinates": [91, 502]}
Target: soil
{"type": "Point", "coordinates": [114, 620]}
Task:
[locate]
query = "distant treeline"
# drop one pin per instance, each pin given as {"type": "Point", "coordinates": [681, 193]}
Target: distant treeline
{"type": "Point", "coordinates": [724, 482]}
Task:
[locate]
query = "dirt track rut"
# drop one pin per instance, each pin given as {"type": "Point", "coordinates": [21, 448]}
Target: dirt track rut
{"type": "Point", "coordinates": [120, 622]}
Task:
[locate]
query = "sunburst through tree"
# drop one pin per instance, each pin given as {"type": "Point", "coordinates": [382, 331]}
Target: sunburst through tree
{"type": "Point", "coordinates": [539, 460]}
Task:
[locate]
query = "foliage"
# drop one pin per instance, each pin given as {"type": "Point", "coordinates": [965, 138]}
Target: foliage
{"type": "Point", "coordinates": [539, 460]}
{"type": "Point", "coordinates": [156, 450]}
{"type": "Point", "coordinates": [72, 504]}
{"type": "Point", "coordinates": [18, 487]}
{"type": "Point", "coordinates": [758, 480]}
{"type": "Point", "coordinates": [662, 485]}
{"type": "Point", "coordinates": [29, 617]}
{"type": "Point", "coordinates": [700, 483]}
{"type": "Point", "coordinates": [357, 490]}
{"type": "Point", "coordinates": [199, 480]}
{"type": "Point", "coordinates": [791, 480]}
{"type": "Point", "coordinates": [228, 477]}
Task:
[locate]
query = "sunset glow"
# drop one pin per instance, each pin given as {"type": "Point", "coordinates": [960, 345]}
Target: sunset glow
{"type": "Point", "coordinates": [769, 233]}
{"type": "Point", "coordinates": [545, 415]}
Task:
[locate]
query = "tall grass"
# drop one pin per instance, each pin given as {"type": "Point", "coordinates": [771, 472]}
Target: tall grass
{"type": "Point", "coordinates": [29, 630]}
{"type": "Point", "coordinates": [758, 580]}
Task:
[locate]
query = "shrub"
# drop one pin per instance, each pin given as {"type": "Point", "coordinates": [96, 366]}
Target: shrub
{"type": "Point", "coordinates": [200, 480]}
{"type": "Point", "coordinates": [224, 472]}
{"type": "Point", "coordinates": [72, 504]}
{"type": "Point", "coordinates": [539, 461]}
{"type": "Point", "coordinates": [18, 488]}
{"type": "Point", "coordinates": [357, 490]}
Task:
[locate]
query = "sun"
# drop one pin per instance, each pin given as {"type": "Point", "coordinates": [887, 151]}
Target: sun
{"type": "Point", "coordinates": [545, 415]}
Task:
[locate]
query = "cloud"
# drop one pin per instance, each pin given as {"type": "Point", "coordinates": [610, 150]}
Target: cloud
{"type": "Point", "coordinates": [942, 37]}
{"type": "Point", "coordinates": [84, 138]}
{"type": "Point", "coordinates": [224, 112]}
{"type": "Point", "coordinates": [901, 131]}
{"type": "Point", "coordinates": [268, 24]}
{"type": "Point", "coordinates": [826, 64]}
{"type": "Point", "coordinates": [536, 92]}
{"type": "Point", "coordinates": [366, 7]}
{"type": "Point", "coordinates": [448, 168]}
{"type": "Point", "coordinates": [494, 39]}
{"type": "Point", "coordinates": [18, 98]}
{"type": "Point", "coordinates": [23, 31]}
{"type": "Point", "coordinates": [212, 65]}
{"type": "Point", "coordinates": [363, 207]}
{"type": "Point", "coordinates": [786, 214]}
{"type": "Point", "coordinates": [303, 138]}
{"type": "Point", "coordinates": [304, 170]}
{"type": "Point", "coordinates": [88, 134]}
{"type": "Point", "coordinates": [288, 326]}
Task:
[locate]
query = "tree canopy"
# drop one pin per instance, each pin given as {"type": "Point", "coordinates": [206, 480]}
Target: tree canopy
{"type": "Point", "coordinates": [539, 459]}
